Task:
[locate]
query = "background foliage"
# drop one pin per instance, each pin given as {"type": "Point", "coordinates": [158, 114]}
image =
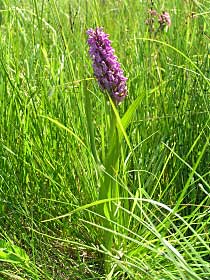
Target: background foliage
{"type": "Point", "coordinates": [46, 166]}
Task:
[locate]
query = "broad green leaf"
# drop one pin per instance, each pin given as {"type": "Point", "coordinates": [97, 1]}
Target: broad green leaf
{"type": "Point", "coordinates": [12, 253]}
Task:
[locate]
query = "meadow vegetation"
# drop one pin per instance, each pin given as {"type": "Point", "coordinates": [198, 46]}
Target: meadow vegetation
{"type": "Point", "coordinates": [53, 222]}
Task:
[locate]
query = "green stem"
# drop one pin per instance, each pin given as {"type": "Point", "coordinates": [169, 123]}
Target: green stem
{"type": "Point", "coordinates": [109, 187]}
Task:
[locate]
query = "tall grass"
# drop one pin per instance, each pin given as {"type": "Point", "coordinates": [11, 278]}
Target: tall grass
{"type": "Point", "coordinates": [50, 182]}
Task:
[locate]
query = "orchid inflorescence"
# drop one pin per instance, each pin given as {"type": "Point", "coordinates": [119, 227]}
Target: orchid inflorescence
{"type": "Point", "coordinates": [163, 19]}
{"type": "Point", "coordinates": [106, 67]}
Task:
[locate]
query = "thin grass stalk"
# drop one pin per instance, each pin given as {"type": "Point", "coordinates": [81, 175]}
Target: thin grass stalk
{"type": "Point", "coordinates": [88, 111]}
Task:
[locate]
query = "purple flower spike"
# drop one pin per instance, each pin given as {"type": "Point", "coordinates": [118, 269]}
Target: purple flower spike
{"type": "Point", "coordinates": [164, 19]}
{"type": "Point", "coordinates": [106, 68]}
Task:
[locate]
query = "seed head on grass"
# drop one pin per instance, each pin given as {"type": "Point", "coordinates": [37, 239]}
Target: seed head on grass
{"type": "Point", "coordinates": [106, 67]}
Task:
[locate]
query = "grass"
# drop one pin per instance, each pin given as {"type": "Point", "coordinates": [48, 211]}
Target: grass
{"type": "Point", "coordinates": [50, 223]}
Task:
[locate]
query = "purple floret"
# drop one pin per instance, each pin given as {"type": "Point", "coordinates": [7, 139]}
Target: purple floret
{"type": "Point", "coordinates": [164, 19]}
{"type": "Point", "coordinates": [106, 68]}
